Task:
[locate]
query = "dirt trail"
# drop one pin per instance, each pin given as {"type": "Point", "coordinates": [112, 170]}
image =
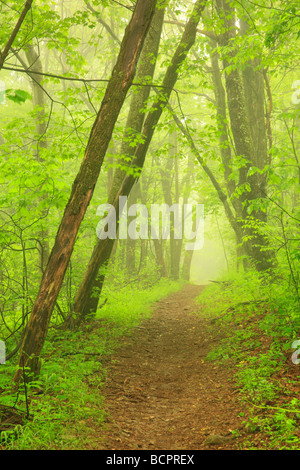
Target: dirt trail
{"type": "Point", "coordinates": [160, 393]}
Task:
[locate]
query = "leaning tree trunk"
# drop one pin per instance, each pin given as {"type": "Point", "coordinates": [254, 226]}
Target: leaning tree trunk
{"type": "Point", "coordinates": [87, 298]}
{"type": "Point", "coordinates": [15, 32]}
{"type": "Point", "coordinates": [83, 186]}
{"type": "Point", "coordinates": [103, 248]}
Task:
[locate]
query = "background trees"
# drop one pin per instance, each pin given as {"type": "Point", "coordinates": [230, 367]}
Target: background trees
{"type": "Point", "coordinates": [209, 118]}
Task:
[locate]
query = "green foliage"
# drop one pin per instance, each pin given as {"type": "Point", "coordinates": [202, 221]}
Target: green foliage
{"type": "Point", "coordinates": [66, 405]}
{"type": "Point", "coordinates": [18, 96]}
{"type": "Point", "coordinates": [117, 310]}
{"type": "Point", "coordinates": [280, 425]}
{"type": "Point", "coordinates": [284, 21]}
{"type": "Point", "coordinates": [258, 320]}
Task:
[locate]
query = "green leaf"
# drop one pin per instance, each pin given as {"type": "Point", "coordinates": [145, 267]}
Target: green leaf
{"type": "Point", "coordinates": [18, 96]}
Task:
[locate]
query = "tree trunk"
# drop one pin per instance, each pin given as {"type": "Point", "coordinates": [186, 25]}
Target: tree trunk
{"type": "Point", "coordinates": [38, 101]}
{"type": "Point", "coordinates": [15, 32]}
{"type": "Point", "coordinates": [160, 259]}
{"type": "Point", "coordinates": [225, 151]}
{"type": "Point", "coordinates": [166, 181]}
{"type": "Point", "coordinates": [87, 297]}
{"type": "Point", "coordinates": [158, 244]}
{"type": "Point", "coordinates": [102, 250]}
{"type": "Point", "coordinates": [83, 186]}
{"type": "Point", "coordinates": [186, 265]}
{"type": "Point", "coordinates": [131, 244]}
{"type": "Point", "coordinates": [244, 112]}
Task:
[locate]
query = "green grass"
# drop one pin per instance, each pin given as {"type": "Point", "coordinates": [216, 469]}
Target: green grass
{"type": "Point", "coordinates": [126, 307]}
{"type": "Point", "coordinates": [257, 320]}
{"type": "Point", "coordinates": [69, 413]}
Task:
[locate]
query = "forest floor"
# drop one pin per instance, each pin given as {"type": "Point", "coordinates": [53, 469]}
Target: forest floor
{"type": "Point", "coordinates": [161, 393]}
{"type": "Point", "coordinates": [158, 385]}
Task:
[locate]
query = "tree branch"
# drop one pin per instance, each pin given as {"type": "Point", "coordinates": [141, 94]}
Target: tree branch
{"type": "Point", "coordinates": [15, 32]}
{"type": "Point", "coordinates": [209, 34]}
{"type": "Point", "coordinates": [101, 21]}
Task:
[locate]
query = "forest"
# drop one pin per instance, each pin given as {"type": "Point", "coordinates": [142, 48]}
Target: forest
{"type": "Point", "coordinates": [149, 225]}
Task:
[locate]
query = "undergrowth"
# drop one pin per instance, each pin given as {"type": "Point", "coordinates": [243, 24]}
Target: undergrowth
{"type": "Point", "coordinates": [64, 408]}
{"type": "Point", "coordinates": [257, 320]}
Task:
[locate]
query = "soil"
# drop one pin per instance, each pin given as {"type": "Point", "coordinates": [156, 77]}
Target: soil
{"type": "Point", "coordinates": [161, 392]}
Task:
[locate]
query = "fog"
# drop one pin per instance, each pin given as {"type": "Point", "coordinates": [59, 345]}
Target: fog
{"type": "Point", "coordinates": [209, 263]}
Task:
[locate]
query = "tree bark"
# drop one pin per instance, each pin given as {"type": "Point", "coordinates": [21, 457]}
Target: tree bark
{"type": "Point", "coordinates": [166, 181]}
{"type": "Point", "coordinates": [186, 265]}
{"type": "Point", "coordinates": [14, 33]}
{"type": "Point", "coordinates": [83, 186]}
{"type": "Point", "coordinates": [136, 116]}
{"type": "Point", "coordinates": [87, 297]}
{"type": "Point", "coordinates": [103, 247]}
{"type": "Point", "coordinates": [38, 102]}
{"type": "Point", "coordinates": [249, 134]}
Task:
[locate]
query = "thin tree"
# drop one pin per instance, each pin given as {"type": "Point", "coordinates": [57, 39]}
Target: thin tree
{"type": "Point", "coordinates": [83, 186]}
